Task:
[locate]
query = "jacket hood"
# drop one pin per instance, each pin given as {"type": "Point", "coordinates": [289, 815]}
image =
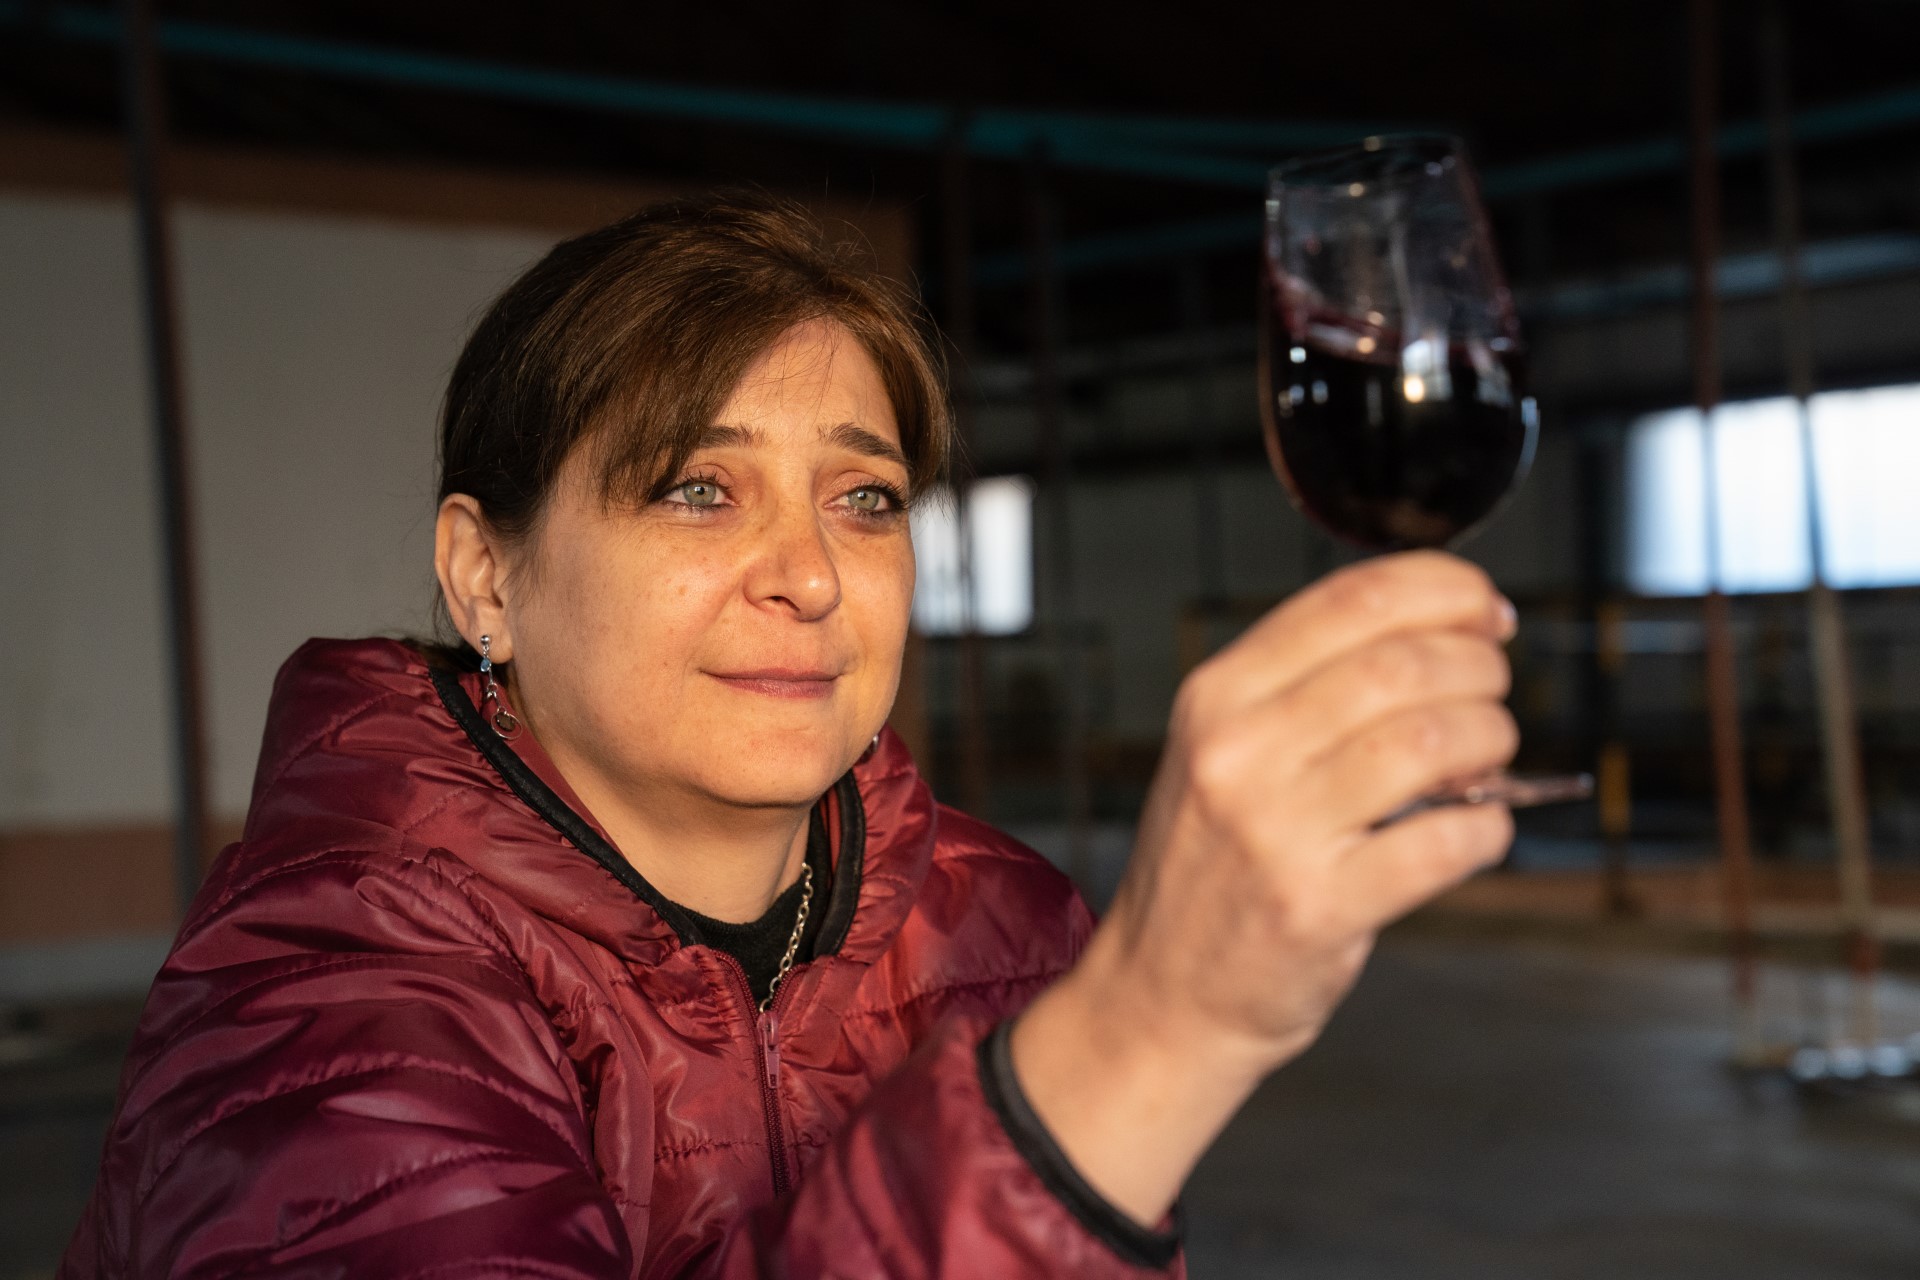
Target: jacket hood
{"type": "Point", "coordinates": [368, 747]}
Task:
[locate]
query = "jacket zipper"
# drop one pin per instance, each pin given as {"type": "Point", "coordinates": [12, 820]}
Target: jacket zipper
{"type": "Point", "coordinates": [766, 1027]}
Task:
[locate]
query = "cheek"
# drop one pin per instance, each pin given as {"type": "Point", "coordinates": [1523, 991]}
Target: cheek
{"type": "Point", "coordinates": [882, 598]}
{"type": "Point", "coordinates": [628, 617]}
{"type": "Point", "coordinates": [666, 607]}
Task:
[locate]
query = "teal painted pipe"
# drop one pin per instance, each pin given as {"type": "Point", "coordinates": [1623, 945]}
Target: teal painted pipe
{"type": "Point", "coordinates": [1169, 149]}
{"type": "Point", "coordinates": [1160, 148]}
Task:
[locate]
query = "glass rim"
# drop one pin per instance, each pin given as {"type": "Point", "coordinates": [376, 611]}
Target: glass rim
{"type": "Point", "coordinates": [1420, 143]}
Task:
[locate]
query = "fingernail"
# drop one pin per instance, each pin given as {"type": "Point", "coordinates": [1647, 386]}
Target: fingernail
{"type": "Point", "coordinates": [1507, 618]}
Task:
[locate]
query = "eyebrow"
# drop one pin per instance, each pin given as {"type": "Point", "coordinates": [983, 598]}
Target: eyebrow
{"type": "Point", "coordinates": [719, 436]}
{"type": "Point", "coordinates": [865, 443]}
{"type": "Point", "coordinates": [846, 435]}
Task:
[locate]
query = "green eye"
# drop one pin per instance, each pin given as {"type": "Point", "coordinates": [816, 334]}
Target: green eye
{"type": "Point", "coordinates": [700, 493]}
{"type": "Point", "coordinates": [867, 499]}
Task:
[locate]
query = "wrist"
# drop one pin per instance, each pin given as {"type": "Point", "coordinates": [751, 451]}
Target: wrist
{"type": "Point", "coordinates": [1129, 1101]}
{"type": "Point", "coordinates": [1129, 1020]}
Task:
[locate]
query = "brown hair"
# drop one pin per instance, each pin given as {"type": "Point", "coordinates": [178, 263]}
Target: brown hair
{"type": "Point", "coordinates": [629, 339]}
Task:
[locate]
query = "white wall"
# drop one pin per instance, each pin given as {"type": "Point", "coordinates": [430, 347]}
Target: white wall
{"type": "Point", "coordinates": [316, 351]}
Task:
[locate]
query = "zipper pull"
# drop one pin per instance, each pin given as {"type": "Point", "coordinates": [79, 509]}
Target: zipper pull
{"type": "Point", "coordinates": [770, 1048]}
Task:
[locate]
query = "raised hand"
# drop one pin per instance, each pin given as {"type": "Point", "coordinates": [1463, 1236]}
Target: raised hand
{"type": "Point", "coordinates": [1260, 875]}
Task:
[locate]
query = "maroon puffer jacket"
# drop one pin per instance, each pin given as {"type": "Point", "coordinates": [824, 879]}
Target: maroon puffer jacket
{"type": "Point", "coordinates": [423, 1021]}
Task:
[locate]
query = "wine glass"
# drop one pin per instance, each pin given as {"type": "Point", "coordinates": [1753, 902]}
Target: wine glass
{"type": "Point", "coordinates": [1392, 377]}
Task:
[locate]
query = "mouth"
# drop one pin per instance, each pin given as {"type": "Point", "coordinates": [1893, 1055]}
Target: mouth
{"type": "Point", "coordinates": [778, 682]}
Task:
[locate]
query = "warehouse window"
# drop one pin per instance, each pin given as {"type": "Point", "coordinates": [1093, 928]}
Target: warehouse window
{"type": "Point", "coordinates": [1000, 512]}
{"type": "Point", "coordinates": [1866, 451]}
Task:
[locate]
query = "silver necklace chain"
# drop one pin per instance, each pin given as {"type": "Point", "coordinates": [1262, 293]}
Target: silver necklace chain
{"type": "Point", "coordinates": [793, 943]}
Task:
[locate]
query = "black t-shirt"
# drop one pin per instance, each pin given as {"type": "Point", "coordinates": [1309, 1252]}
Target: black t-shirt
{"type": "Point", "coordinates": [760, 944]}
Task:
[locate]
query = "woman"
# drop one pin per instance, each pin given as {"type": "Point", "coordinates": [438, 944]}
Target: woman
{"type": "Point", "coordinates": [623, 939]}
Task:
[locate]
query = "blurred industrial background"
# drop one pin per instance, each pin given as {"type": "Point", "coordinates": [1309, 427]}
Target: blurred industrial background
{"type": "Point", "coordinates": [1583, 1064]}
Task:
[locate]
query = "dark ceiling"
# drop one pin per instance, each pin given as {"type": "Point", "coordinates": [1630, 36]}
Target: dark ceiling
{"type": "Point", "coordinates": [1521, 79]}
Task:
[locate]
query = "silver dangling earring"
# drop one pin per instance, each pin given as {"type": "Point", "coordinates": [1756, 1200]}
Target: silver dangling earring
{"type": "Point", "coordinates": [505, 723]}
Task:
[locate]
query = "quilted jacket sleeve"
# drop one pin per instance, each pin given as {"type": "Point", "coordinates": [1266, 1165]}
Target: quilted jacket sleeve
{"type": "Point", "coordinates": [339, 1074]}
{"type": "Point", "coordinates": [373, 1093]}
{"type": "Point", "coordinates": [945, 1173]}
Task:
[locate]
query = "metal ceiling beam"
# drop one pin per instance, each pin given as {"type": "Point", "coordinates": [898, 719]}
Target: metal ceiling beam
{"type": "Point", "coordinates": [1823, 264]}
{"type": "Point", "coordinates": [1600, 166]}
{"type": "Point", "coordinates": [1167, 148]}
{"type": "Point", "coordinates": [1164, 148]}
{"type": "Point", "coordinates": [1874, 113]}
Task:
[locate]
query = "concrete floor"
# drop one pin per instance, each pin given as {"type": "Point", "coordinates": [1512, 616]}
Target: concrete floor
{"type": "Point", "coordinates": [57, 1084]}
{"type": "Point", "coordinates": [1522, 1109]}
{"type": "Point", "coordinates": [1479, 1108]}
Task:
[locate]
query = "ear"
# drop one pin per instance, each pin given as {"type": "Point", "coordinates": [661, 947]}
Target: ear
{"type": "Point", "coordinates": [470, 561]}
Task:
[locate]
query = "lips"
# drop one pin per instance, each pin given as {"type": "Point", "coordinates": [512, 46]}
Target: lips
{"type": "Point", "coordinates": [780, 682]}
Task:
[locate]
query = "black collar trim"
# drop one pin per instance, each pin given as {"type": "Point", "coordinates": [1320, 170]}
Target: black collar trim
{"type": "Point", "coordinates": [542, 799]}
{"type": "Point", "coordinates": [846, 876]}
{"type": "Point", "coordinates": [1144, 1247]}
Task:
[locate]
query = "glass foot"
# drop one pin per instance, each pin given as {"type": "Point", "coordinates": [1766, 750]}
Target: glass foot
{"type": "Point", "coordinates": [1515, 790]}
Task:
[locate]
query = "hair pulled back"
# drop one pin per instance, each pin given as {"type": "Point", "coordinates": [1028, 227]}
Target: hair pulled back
{"type": "Point", "coordinates": [628, 341]}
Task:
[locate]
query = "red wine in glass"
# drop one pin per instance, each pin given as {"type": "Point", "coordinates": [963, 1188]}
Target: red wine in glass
{"type": "Point", "coordinates": [1386, 460]}
{"type": "Point", "coordinates": [1392, 376]}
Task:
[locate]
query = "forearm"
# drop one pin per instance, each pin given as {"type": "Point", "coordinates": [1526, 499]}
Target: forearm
{"type": "Point", "coordinates": [1132, 1100]}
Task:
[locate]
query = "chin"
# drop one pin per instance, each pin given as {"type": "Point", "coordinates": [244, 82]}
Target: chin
{"type": "Point", "coordinates": [781, 776]}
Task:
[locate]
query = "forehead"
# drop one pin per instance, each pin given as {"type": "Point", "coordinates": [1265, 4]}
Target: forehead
{"type": "Point", "coordinates": [816, 378]}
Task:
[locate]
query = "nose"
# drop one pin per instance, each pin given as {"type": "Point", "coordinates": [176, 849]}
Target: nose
{"type": "Point", "coordinates": [793, 567]}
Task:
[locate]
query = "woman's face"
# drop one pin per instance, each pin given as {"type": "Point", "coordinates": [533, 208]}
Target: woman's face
{"type": "Point", "coordinates": [741, 638]}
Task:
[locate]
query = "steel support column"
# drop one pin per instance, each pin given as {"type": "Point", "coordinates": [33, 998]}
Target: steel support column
{"type": "Point", "coordinates": [957, 275]}
{"type": "Point", "coordinates": [1839, 730]}
{"type": "Point", "coordinates": [1062, 614]}
{"type": "Point", "coordinates": [147, 153]}
{"type": "Point", "coordinates": [1722, 677]}
{"type": "Point", "coordinates": [1210, 545]}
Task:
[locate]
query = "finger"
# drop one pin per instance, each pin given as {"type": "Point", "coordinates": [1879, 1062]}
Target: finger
{"type": "Point", "coordinates": [1413, 591]}
{"type": "Point", "coordinates": [1392, 675]}
{"type": "Point", "coordinates": [1405, 865]}
{"type": "Point", "coordinates": [1392, 762]}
